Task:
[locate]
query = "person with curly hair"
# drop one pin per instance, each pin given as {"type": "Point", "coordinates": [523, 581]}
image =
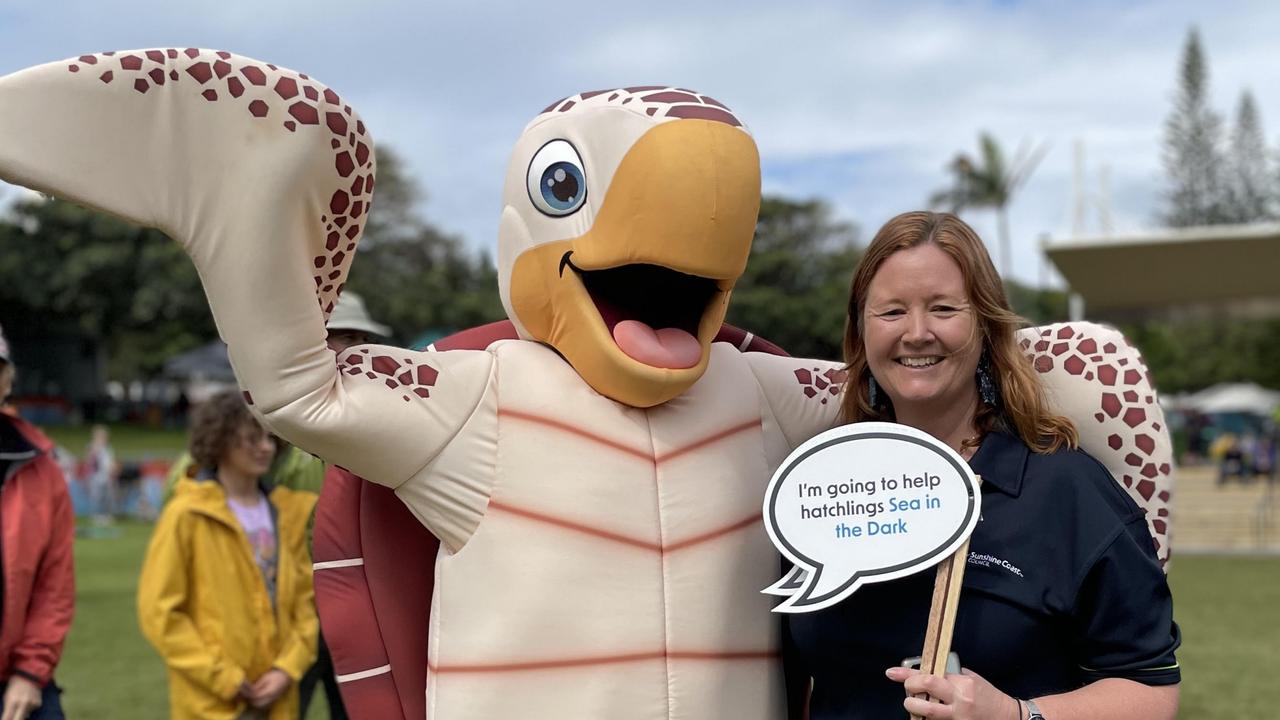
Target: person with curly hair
{"type": "Point", "coordinates": [225, 594]}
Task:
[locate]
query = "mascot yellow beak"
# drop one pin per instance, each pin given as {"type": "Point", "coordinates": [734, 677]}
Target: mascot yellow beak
{"type": "Point", "coordinates": [634, 302]}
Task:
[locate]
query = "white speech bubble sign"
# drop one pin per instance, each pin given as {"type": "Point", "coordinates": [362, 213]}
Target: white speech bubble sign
{"type": "Point", "coordinates": [864, 503]}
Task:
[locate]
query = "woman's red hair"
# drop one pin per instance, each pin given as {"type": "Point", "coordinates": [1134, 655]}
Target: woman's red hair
{"type": "Point", "coordinates": [1022, 406]}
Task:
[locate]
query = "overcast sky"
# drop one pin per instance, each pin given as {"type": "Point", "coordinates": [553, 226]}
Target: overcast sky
{"type": "Point", "coordinates": [861, 104]}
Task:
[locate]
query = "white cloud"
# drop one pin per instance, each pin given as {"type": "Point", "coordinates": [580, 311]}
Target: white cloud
{"type": "Point", "coordinates": [894, 89]}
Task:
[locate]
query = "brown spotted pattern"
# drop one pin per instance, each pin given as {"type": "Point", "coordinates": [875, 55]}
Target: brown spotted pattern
{"type": "Point", "coordinates": [1126, 411]}
{"type": "Point", "coordinates": [657, 101]}
{"type": "Point", "coordinates": [294, 101]}
{"type": "Point", "coordinates": [399, 372]}
{"type": "Point", "coordinates": [821, 384]}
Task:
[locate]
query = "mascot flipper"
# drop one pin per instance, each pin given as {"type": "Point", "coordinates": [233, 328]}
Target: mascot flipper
{"type": "Point", "coordinates": [597, 492]}
{"type": "Point", "coordinates": [265, 177]}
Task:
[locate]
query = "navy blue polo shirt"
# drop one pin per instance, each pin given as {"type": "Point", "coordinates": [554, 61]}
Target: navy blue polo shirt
{"type": "Point", "coordinates": [1062, 588]}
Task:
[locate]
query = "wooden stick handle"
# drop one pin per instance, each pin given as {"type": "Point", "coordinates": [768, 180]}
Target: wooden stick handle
{"type": "Point", "coordinates": [942, 614]}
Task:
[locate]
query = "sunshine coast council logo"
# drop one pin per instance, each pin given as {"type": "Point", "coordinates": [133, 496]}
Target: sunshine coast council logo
{"type": "Point", "coordinates": [993, 561]}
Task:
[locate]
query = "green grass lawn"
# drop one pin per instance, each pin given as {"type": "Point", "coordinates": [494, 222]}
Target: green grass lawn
{"type": "Point", "coordinates": [1228, 607]}
{"type": "Point", "coordinates": [108, 670]}
{"type": "Point", "coordinates": [1229, 610]}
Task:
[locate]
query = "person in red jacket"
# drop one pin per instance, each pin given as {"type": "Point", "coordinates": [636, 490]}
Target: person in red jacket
{"type": "Point", "coordinates": [37, 596]}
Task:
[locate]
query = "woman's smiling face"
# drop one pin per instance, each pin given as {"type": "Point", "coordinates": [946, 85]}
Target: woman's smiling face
{"type": "Point", "coordinates": [919, 334]}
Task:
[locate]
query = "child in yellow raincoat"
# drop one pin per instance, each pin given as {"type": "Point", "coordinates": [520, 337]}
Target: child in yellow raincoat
{"type": "Point", "coordinates": [225, 594]}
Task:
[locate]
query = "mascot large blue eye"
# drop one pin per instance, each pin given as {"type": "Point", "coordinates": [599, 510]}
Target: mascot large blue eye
{"type": "Point", "coordinates": [557, 182]}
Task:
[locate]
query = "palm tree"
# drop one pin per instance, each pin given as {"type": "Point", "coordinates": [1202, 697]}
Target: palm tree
{"type": "Point", "coordinates": [991, 183]}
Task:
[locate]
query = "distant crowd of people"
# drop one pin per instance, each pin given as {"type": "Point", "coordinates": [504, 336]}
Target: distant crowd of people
{"type": "Point", "coordinates": [1245, 456]}
{"type": "Point", "coordinates": [1241, 453]}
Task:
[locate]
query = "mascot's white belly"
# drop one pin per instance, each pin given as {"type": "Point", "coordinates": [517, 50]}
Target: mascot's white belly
{"type": "Point", "coordinates": [617, 570]}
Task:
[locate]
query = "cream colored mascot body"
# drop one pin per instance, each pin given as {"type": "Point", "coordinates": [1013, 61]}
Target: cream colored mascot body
{"type": "Point", "coordinates": [596, 487]}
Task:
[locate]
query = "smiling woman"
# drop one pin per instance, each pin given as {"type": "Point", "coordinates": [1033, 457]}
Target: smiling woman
{"type": "Point", "coordinates": [928, 283]}
{"type": "Point", "coordinates": [1066, 608]}
{"type": "Point", "coordinates": [921, 338]}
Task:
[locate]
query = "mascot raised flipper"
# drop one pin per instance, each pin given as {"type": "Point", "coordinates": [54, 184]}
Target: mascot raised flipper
{"type": "Point", "coordinates": [599, 518]}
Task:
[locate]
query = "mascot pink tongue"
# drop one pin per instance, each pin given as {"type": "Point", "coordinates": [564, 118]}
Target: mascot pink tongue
{"type": "Point", "coordinates": [670, 348]}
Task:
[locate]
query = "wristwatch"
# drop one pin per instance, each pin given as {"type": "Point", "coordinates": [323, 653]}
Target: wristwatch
{"type": "Point", "coordinates": [1033, 712]}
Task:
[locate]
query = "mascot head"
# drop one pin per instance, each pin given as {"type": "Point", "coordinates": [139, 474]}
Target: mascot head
{"type": "Point", "coordinates": [628, 217]}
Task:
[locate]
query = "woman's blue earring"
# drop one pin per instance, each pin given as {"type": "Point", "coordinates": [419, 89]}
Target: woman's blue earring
{"type": "Point", "coordinates": [873, 391]}
{"type": "Point", "coordinates": [986, 384]}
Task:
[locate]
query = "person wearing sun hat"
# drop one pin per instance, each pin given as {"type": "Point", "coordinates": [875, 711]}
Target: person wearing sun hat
{"type": "Point", "coordinates": [36, 532]}
{"type": "Point", "coordinates": [350, 323]}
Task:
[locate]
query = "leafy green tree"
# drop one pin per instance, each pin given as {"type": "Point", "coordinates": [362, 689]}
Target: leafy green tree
{"type": "Point", "coordinates": [1038, 306]}
{"type": "Point", "coordinates": [1193, 157]}
{"type": "Point", "coordinates": [1190, 355]}
{"type": "Point", "coordinates": [412, 276]}
{"type": "Point", "coordinates": [393, 216]}
{"type": "Point", "coordinates": [988, 181]}
{"type": "Point", "coordinates": [132, 290]}
{"type": "Point", "coordinates": [795, 291]}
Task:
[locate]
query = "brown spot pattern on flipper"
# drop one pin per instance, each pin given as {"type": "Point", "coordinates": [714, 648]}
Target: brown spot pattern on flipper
{"type": "Point", "coordinates": [271, 94]}
{"type": "Point", "coordinates": [1126, 416]}
{"type": "Point", "coordinates": [397, 370]}
{"type": "Point", "coordinates": [820, 385]}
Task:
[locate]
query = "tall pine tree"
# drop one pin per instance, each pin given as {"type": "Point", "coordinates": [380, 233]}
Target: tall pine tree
{"type": "Point", "coordinates": [1249, 181]}
{"type": "Point", "coordinates": [1193, 147]}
